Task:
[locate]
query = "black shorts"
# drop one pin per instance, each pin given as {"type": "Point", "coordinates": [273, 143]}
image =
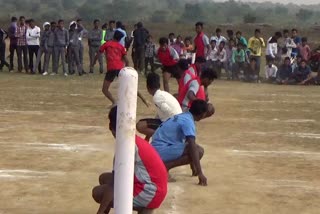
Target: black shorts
{"type": "Point", "coordinates": [152, 123]}
{"type": "Point", "coordinates": [111, 75]}
{"type": "Point", "coordinates": [173, 70]}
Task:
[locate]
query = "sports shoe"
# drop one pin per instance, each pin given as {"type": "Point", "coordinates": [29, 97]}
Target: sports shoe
{"type": "Point", "coordinates": [45, 73]}
{"type": "Point", "coordinates": [65, 74]}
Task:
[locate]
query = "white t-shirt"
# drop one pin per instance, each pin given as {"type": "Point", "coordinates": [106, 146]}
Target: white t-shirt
{"type": "Point", "coordinates": [218, 39]}
{"type": "Point", "coordinates": [167, 105]}
{"type": "Point", "coordinates": [271, 72]}
{"type": "Point", "coordinates": [33, 36]}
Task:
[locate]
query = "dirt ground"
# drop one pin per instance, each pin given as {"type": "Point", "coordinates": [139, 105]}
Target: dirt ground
{"type": "Point", "coordinates": [262, 148]}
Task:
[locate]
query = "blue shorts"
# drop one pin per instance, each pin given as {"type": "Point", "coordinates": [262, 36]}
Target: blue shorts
{"type": "Point", "coordinates": [171, 152]}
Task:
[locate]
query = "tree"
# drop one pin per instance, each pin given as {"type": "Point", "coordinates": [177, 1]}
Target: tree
{"type": "Point", "coordinates": [191, 11]}
{"type": "Point", "coordinates": [249, 18]}
{"type": "Point", "coordinates": [304, 15]}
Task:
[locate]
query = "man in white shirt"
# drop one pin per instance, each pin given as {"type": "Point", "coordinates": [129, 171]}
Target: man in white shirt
{"type": "Point", "coordinates": [272, 47]}
{"type": "Point", "coordinates": [218, 37]}
{"type": "Point", "coordinates": [166, 104]}
{"type": "Point", "coordinates": [271, 72]}
{"type": "Point", "coordinates": [119, 27]}
{"type": "Point", "coordinates": [33, 42]}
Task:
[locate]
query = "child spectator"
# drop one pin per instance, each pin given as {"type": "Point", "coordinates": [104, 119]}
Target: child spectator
{"type": "Point", "coordinates": [288, 43]}
{"type": "Point", "coordinates": [238, 61]}
{"type": "Point", "coordinates": [285, 71]}
{"type": "Point", "coordinates": [218, 37]}
{"type": "Point", "coordinates": [304, 50]}
{"type": "Point", "coordinates": [297, 41]}
{"type": "Point", "coordinates": [296, 63]}
{"type": "Point", "coordinates": [188, 49]}
{"type": "Point", "coordinates": [250, 73]}
{"type": "Point", "coordinates": [271, 72]}
{"type": "Point", "coordinates": [229, 51]}
{"type": "Point", "coordinates": [213, 57]}
{"type": "Point", "coordinates": [221, 58]}
{"type": "Point", "coordinates": [172, 39]}
{"type": "Point", "coordinates": [301, 75]}
{"type": "Point", "coordinates": [178, 45]}
{"type": "Point", "coordinates": [150, 53]}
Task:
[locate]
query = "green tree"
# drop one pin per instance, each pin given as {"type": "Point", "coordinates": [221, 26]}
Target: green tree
{"type": "Point", "coordinates": [249, 18]}
{"type": "Point", "coordinates": [304, 15]}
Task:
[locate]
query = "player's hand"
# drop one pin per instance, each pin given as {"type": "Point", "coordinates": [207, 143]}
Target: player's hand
{"type": "Point", "coordinates": [202, 180]}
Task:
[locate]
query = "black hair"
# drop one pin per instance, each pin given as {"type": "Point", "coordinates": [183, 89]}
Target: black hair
{"type": "Point", "coordinates": [199, 24]}
{"type": "Point", "coordinates": [95, 21]}
{"type": "Point", "coordinates": [79, 20]}
{"type": "Point", "coordinates": [213, 40]}
{"type": "Point", "coordinates": [287, 58]}
{"type": "Point", "coordinates": [294, 29]}
{"type": "Point", "coordinates": [31, 20]}
{"type": "Point", "coordinates": [60, 20]}
{"type": "Point", "coordinates": [118, 35]}
{"type": "Point", "coordinates": [230, 32]}
{"type": "Point", "coordinates": [105, 25]}
{"type": "Point", "coordinates": [113, 118]}
{"type": "Point", "coordinates": [285, 31]}
{"type": "Point", "coordinates": [238, 32]}
{"type": "Point", "coordinates": [198, 107]}
{"type": "Point", "coordinates": [153, 81]}
{"type": "Point", "coordinates": [139, 25]}
{"type": "Point", "coordinates": [14, 19]}
{"type": "Point", "coordinates": [209, 73]}
{"type": "Point", "coordinates": [112, 22]}
{"type": "Point", "coordinates": [163, 41]}
{"type": "Point", "coordinates": [53, 23]}
{"type": "Point", "coordinates": [218, 30]}
{"type": "Point", "coordinates": [118, 24]}
{"type": "Point", "coordinates": [183, 64]}
{"type": "Point", "coordinates": [253, 59]}
{"type": "Point", "coordinates": [22, 17]}
{"type": "Point", "coordinates": [304, 39]}
{"type": "Point", "coordinates": [223, 42]}
{"type": "Point", "coordinates": [278, 34]}
{"type": "Point", "coordinates": [284, 50]}
{"type": "Point", "coordinates": [299, 56]}
{"type": "Point", "coordinates": [149, 36]}
{"type": "Point", "coordinates": [257, 31]}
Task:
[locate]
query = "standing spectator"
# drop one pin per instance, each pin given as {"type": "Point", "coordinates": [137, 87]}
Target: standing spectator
{"type": "Point", "coordinates": [94, 40]}
{"type": "Point", "coordinates": [82, 34]}
{"type": "Point", "coordinates": [73, 48]}
{"type": "Point", "coordinates": [150, 53]}
{"type": "Point", "coordinates": [3, 37]}
{"type": "Point", "coordinates": [256, 43]}
{"type": "Point", "coordinates": [238, 61]}
{"type": "Point", "coordinates": [33, 42]}
{"type": "Point", "coordinates": [22, 47]}
{"type": "Point", "coordinates": [172, 39]}
{"type": "Point", "coordinates": [284, 72]}
{"type": "Point", "coordinates": [229, 51]}
{"type": "Point", "coordinates": [201, 44]}
{"type": "Point", "coordinates": [178, 45]}
{"type": "Point", "coordinates": [60, 47]}
{"type": "Point", "coordinates": [231, 36]}
{"type": "Point", "coordinates": [104, 28]}
{"type": "Point", "coordinates": [222, 59]}
{"type": "Point", "coordinates": [297, 41]}
{"type": "Point", "coordinates": [139, 40]}
{"type": "Point", "coordinates": [110, 31]}
{"type": "Point", "coordinates": [271, 72]}
{"type": "Point", "coordinates": [272, 47]}
{"type": "Point", "coordinates": [213, 55]}
{"type": "Point", "coordinates": [304, 50]}
{"type": "Point", "coordinates": [49, 46]}
{"type": "Point", "coordinates": [188, 49]}
{"type": "Point", "coordinates": [289, 44]}
{"type": "Point", "coordinates": [43, 48]}
{"type": "Point", "coordinates": [13, 40]}
{"type": "Point", "coordinates": [218, 37]}
{"type": "Point", "coordinates": [241, 39]}
{"type": "Point", "coordinates": [119, 27]}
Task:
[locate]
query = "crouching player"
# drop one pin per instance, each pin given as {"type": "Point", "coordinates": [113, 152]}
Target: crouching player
{"type": "Point", "coordinates": [175, 140]}
{"type": "Point", "coordinates": [166, 104]}
{"type": "Point", "coordinates": [150, 178]}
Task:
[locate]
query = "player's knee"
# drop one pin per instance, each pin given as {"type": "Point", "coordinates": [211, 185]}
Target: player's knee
{"type": "Point", "coordinates": [201, 151]}
{"type": "Point", "coordinates": [95, 195]}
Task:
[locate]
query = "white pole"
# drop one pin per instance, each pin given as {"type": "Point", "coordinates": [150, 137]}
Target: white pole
{"type": "Point", "coordinates": [193, 60]}
{"type": "Point", "coordinates": [125, 140]}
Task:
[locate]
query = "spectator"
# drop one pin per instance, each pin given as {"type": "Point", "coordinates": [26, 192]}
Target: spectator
{"type": "Point", "coordinates": [43, 49]}
{"type": "Point", "coordinates": [201, 44]}
{"type": "Point", "coordinates": [304, 50]}
{"type": "Point", "coordinates": [284, 72]}
{"type": "Point", "coordinates": [301, 75]}
{"type": "Point", "coordinates": [110, 31]}
{"type": "Point", "coordinates": [150, 53]}
{"type": "Point", "coordinates": [172, 39]}
{"type": "Point", "coordinates": [272, 47]}
{"type": "Point", "coordinates": [33, 42]}
{"type": "Point", "coordinates": [250, 72]}
{"type": "Point", "coordinates": [238, 61]}
{"type": "Point", "coordinates": [83, 33]}
{"type": "Point", "coordinates": [94, 40]}
{"type": "Point", "coordinates": [178, 45]}
{"type": "Point", "coordinates": [222, 59]}
{"type": "Point", "coordinates": [296, 63]}
{"type": "Point", "coordinates": [297, 41]}
{"type": "Point", "coordinates": [229, 51]}
{"type": "Point", "coordinates": [188, 49]}
{"type": "Point", "coordinates": [231, 36]}
{"type": "Point", "coordinates": [213, 55]}
{"type": "Point", "coordinates": [256, 43]}
{"type": "Point", "coordinates": [241, 39]}
{"type": "Point", "coordinates": [3, 37]}
{"type": "Point", "coordinates": [119, 27]}
{"type": "Point", "coordinates": [49, 46]}
{"type": "Point", "coordinates": [289, 43]}
{"type": "Point", "coordinates": [104, 28]}
{"type": "Point", "coordinates": [271, 72]}
{"type": "Point", "coordinates": [139, 40]}
{"type": "Point", "coordinates": [218, 37]}
{"type": "Point", "coordinates": [60, 48]}
{"type": "Point", "coordinates": [22, 47]}
{"type": "Point", "coordinates": [74, 48]}
{"type": "Point", "coordinates": [13, 41]}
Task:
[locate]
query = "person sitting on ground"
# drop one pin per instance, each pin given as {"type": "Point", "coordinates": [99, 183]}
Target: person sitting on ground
{"type": "Point", "coordinates": [150, 177]}
{"type": "Point", "coordinates": [296, 63]}
{"type": "Point", "coordinates": [285, 71]}
{"type": "Point", "coordinates": [175, 140]}
{"type": "Point", "coordinates": [238, 61]}
{"type": "Point", "coordinates": [250, 73]}
{"type": "Point", "coordinates": [304, 50]}
{"type": "Point", "coordinates": [302, 75]}
{"type": "Point", "coordinates": [166, 104]}
{"type": "Point", "coordinates": [169, 59]}
{"type": "Point", "coordinates": [271, 72]}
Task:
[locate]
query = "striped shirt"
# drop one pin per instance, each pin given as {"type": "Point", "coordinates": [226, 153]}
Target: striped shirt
{"type": "Point", "coordinates": [21, 32]}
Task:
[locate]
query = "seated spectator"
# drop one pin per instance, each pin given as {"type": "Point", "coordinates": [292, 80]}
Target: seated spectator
{"type": "Point", "coordinates": [171, 39]}
{"type": "Point", "coordinates": [150, 177]}
{"type": "Point", "coordinates": [221, 58]}
{"type": "Point", "coordinates": [304, 50]}
{"type": "Point", "coordinates": [238, 61]}
{"type": "Point", "coordinates": [284, 72]}
{"type": "Point", "coordinates": [178, 45]}
{"type": "Point", "coordinates": [296, 63]}
{"type": "Point", "coordinates": [166, 104]}
{"type": "Point", "coordinates": [271, 72]}
{"type": "Point", "coordinates": [250, 73]}
{"type": "Point", "coordinates": [175, 140]}
{"type": "Point", "coordinates": [301, 75]}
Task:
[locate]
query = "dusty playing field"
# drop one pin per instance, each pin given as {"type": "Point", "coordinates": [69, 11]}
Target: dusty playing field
{"type": "Point", "coordinates": [262, 148]}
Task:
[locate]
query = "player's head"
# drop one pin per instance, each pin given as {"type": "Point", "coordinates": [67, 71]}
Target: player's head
{"type": "Point", "coordinates": [153, 83]}
{"type": "Point", "coordinates": [183, 65]}
{"type": "Point", "coordinates": [113, 120]}
{"type": "Point", "coordinates": [96, 23]}
{"type": "Point", "coordinates": [207, 76]}
{"type": "Point", "coordinates": [199, 27]}
{"type": "Point", "coordinates": [199, 109]}
{"type": "Point", "coordinates": [118, 35]}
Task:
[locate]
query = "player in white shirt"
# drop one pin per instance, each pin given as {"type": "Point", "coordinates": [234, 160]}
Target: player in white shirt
{"type": "Point", "coordinates": [166, 104]}
{"type": "Point", "coordinates": [33, 42]}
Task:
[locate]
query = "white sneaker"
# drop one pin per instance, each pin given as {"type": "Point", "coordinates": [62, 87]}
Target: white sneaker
{"type": "Point", "coordinates": [65, 74]}
{"type": "Point", "coordinates": [45, 73]}
{"type": "Point", "coordinates": [52, 74]}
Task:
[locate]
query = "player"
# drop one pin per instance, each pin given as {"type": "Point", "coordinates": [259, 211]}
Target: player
{"type": "Point", "coordinates": [150, 178]}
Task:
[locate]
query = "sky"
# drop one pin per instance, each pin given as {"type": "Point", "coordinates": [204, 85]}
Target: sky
{"type": "Point", "coordinates": [284, 1]}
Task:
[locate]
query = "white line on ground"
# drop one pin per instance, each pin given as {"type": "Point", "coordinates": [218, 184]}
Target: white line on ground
{"type": "Point", "coordinates": [290, 134]}
{"type": "Point", "coordinates": [25, 173]}
{"type": "Point", "coordinates": [277, 153]}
